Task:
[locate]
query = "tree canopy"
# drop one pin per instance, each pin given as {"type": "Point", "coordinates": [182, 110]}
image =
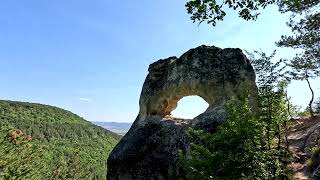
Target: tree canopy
{"type": "Point", "coordinates": [44, 142]}
{"type": "Point", "coordinates": [304, 24]}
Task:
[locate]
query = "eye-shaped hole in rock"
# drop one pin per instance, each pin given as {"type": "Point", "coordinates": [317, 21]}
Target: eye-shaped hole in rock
{"type": "Point", "coordinates": [190, 107]}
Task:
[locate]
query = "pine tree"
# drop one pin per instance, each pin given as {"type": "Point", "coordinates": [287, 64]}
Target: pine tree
{"type": "Point", "coordinates": [303, 68]}
{"type": "Point", "coordinates": [305, 25]}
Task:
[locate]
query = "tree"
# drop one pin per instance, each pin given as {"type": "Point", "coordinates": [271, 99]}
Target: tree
{"type": "Point", "coordinates": [306, 36]}
{"type": "Point", "coordinates": [211, 11]}
{"type": "Point", "coordinates": [233, 152]}
{"type": "Point", "coordinates": [230, 153]}
{"type": "Point", "coordinates": [304, 68]}
{"type": "Point", "coordinates": [304, 23]}
{"type": "Point", "coordinates": [305, 26]}
{"type": "Point", "coordinates": [272, 82]}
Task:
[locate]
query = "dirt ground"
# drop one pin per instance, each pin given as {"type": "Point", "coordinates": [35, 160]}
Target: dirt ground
{"type": "Point", "coordinates": [300, 134]}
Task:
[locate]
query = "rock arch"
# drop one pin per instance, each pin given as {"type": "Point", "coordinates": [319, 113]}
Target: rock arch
{"type": "Point", "coordinates": [150, 149]}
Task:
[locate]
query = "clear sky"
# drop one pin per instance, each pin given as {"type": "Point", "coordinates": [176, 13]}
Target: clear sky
{"type": "Point", "coordinates": [91, 57]}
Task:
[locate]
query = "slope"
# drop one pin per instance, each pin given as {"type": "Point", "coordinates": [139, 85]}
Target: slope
{"type": "Point", "coordinates": [303, 137]}
{"type": "Point", "coordinates": [44, 142]}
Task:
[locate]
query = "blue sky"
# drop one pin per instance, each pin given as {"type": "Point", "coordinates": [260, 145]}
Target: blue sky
{"type": "Point", "coordinates": [91, 57]}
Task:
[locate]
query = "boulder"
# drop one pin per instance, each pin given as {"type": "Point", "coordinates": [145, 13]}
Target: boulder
{"type": "Point", "coordinates": [151, 147]}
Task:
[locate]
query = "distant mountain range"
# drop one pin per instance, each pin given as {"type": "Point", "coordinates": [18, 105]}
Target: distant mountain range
{"type": "Point", "coordinates": [120, 128]}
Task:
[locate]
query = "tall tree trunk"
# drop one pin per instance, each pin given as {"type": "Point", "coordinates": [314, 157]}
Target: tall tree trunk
{"type": "Point", "coordinates": [268, 125]}
{"type": "Point", "coordinates": [269, 121]}
{"type": "Point", "coordinates": [312, 98]}
{"type": "Point", "coordinates": [288, 103]}
{"type": "Point", "coordinates": [279, 136]}
{"type": "Point", "coordinates": [286, 135]}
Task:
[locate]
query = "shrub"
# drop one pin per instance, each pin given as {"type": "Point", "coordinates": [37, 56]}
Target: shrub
{"type": "Point", "coordinates": [238, 149]}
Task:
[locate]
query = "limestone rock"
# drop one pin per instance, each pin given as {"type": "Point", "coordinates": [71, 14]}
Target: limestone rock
{"type": "Point", "coordinates": [150, 149]}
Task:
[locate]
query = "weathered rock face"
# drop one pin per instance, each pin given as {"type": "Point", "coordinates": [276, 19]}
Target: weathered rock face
{"type": "Point", "coordinates": [150, 149]}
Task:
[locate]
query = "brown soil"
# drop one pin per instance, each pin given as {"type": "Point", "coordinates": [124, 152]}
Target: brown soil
{"type": "Point", "coordinates": [298, 134]}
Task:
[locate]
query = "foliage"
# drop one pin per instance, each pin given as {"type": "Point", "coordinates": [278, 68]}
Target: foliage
{"type": "Point", "coordinates": [305, 26]}
{"type": "Point", "coordinates": [272, 82]}
{"type": "Point", "coordinates": [314, 161]}
{"type": "Point", "coordinates": [305, 113]}
{"type": "Point", "coordinates": [211, 11]}
{"type": "Point", "coordinates": [230, 152]}
{"type": "Point", "coordinates": [250, 145]}
{"type": "Point", "coordinates": [238, 149]}
{"type": "Point", "coordinates": [304, 68]}
{"type": "Point", "coordinates": [268, 73]}
{"type": "Point", "coordinates": [45, 142]}
{"type": "Point", "coordinates": [304, 23]}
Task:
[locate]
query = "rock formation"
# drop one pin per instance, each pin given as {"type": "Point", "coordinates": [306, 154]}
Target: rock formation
{"type": "Point", "coordinates": [150, 149]}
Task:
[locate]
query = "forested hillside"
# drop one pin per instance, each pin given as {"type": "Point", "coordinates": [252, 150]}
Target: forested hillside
{"type": "Point", "coordinates": [44, 142]}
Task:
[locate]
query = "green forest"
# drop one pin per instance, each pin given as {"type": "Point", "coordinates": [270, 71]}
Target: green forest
{"type": "Point", "coordinates": [44, 142]}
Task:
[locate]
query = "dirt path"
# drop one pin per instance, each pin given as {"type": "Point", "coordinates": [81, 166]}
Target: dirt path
{"type": "Point", "coordinates": [298, 137]}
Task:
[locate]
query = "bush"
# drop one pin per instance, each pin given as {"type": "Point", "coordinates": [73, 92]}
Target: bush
{"type": "Point", "coordinates": [238, 149]}
{"type": "Point", "coordinates": [314, 161]}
